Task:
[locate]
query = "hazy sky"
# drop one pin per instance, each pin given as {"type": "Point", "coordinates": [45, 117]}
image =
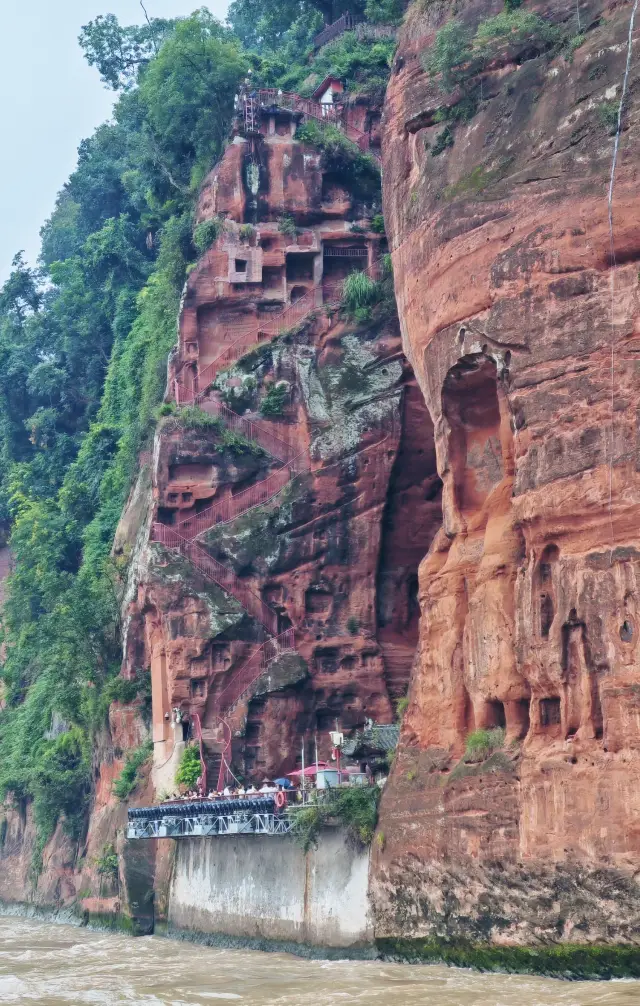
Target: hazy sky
{"type": "Point", "coordinates": [49, 101]}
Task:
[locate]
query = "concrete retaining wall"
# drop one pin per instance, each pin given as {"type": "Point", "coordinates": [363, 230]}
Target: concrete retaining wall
{"type": "Point", "coordinates": [262, 887]}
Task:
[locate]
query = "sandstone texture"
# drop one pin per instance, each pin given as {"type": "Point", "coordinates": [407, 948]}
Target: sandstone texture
{"type": "Point", "coordinates": [331, 556]}
{"type": "Point", "coordinates": [523, 338]}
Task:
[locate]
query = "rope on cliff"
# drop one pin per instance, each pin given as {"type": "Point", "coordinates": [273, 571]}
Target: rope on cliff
{"type": "Point", "coordinates": [612, 253]}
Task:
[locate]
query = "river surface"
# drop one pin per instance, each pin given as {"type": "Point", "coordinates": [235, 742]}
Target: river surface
{"type": "Point", "coordinates": [54, 964]}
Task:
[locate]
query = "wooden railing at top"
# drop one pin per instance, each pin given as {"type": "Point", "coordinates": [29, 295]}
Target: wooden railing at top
{"type": "Point", "coordinates": [344, 23]}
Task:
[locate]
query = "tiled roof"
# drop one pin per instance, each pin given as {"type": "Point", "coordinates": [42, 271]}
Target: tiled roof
{"type": "Point", "coordinates": [380, 737]}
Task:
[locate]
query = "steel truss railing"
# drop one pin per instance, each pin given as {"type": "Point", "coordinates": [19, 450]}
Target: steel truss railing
{"type": "Point", "coordinates": [207, 825]}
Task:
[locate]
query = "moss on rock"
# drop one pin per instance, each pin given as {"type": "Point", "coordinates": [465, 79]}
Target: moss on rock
{"type": "Point", "coordinates": [562, 960]}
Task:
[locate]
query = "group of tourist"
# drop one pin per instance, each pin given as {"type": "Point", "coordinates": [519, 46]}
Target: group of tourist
{"type": "Point", "coordinates": [268, 788]}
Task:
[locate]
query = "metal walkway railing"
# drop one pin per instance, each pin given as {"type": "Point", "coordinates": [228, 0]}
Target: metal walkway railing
{"type": "Point", "coordinates": [260, 331]}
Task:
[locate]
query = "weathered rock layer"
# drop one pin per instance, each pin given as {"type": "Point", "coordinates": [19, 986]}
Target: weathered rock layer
{"type": "Point", "coordinates": [504, 276]}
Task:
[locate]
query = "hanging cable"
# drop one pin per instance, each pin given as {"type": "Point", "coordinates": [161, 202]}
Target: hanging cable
{"type": "Point", "coordinates": [612, 254]}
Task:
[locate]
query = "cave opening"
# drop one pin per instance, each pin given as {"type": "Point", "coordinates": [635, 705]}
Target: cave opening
{"type": "Point", "coordinates": [546, 588]}
{"type": "Point", "coordinates": [471, 407]}
{"type": "Point", "coordinates": [494, 714]}
{"type": "Point", "coordinates": [550, 711]}
{"type": "Point", "coordinates": [412, 516]}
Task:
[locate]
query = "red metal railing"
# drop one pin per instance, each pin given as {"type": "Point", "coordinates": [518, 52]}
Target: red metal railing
{"type": "Point", "coordinates": [257, 661]}
{"type": "Point", "coordinates": [223, 774]}
{"type": "Point", "coordinates": [324, 112]}
{"type": "Point", "coordinates": [225, 510]}
{"type": "Point", "coordinates": [254, 666]}
{"type": "Point", "coordinates": [242, 680]}
{"type": "Point", "coordinates": [259, 332]}
{"type": "Point", "coordinates": [220, 574]}
{"type": "Point", "coordinates": [273, 445]}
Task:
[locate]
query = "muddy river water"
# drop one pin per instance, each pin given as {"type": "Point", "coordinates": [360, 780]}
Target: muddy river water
{"type": "Point", "coordinates": [52, 964]}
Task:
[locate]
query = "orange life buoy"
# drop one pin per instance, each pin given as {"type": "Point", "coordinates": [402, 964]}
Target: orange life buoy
{"type": "Point", "coordinates": [280, 799]}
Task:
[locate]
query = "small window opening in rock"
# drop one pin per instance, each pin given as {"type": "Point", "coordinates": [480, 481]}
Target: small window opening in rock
{"type": "Point", "coordinates": [626, 631]}
{"type": "Point", "coordinates": [494, 714]}
{"type": "Point", "coordinates": [546, 614]}
{"type": "Point", "coordinates": [187, 497]}
{"type": "Point", "coordinates": [241, 265]}
{"type": "Point", "coordinates": [297, 293]}
{"type": "Point", "coordinates": [172, 498]}
{"type": "Point", "coordinates": [550, 712]}
{"type": "Point", "coordinates": [461, 334]}
{"type": "Point", "coordinates": [325, 720]}
{"type": "Point", "coordinates": [507, 358]}
{"type": "Point", "coordinates": [198, 686]}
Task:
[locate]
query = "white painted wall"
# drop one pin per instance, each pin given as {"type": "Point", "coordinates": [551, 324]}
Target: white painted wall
{"type": "Point", "coordinates": [263, 887]}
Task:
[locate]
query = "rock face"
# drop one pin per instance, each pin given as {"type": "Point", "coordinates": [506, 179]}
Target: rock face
{"type": "Point", "coordinates": [328, 555]}
{"type": "Point", "coordinates": [527, 363]}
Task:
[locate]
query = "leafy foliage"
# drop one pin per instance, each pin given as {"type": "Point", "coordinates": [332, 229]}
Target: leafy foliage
{"type": "Point", "coordinates": [107, 862]}
{"type": "Point", "coordinates": [442, 141]}
{"type": "Point", "coordinates": [358, 172]}
{"type": "Point", "coordinates": [355, 807]}
{"type": "Point", "coordinates": [359, 293]}
{"type": "Point", "coordinates": [274, 401]}
{"type": "Point", "coordinates": [130, 775]}
{"type": "Point", "coordinates": [401, 706]}
{"type": "Point", "coordinates": [83, 350]}
{"type": "Point", "coordinates": [287, 225]}
{"type": "Point", "coordinates": [481, 743]}
{"type": "Point", "coordinates": [383, 11]}
{"type": "Point", "coordinates": [608, 115]}
{"type": "Point", "coordinates": [206, 233]}
{"type": "Point", "coordinates": [117, 52]}
{"type": "Point", "coordinates": [457, 54]}
{"type": "Point", "coordinates": [190, 767]}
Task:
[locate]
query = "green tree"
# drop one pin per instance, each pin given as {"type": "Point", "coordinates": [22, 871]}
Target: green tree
{"type": "Point", "coordinates": [117, 52]}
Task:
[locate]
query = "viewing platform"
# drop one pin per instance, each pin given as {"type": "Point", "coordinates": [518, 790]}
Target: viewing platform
{"type": "Point", "coordinates": [236, 816]}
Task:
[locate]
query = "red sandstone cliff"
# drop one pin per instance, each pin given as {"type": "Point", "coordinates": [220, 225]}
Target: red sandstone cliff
{"type": "Point", "coordinates": [328, 556]}
{"type": "Point", "coordinates": [528, 594]}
